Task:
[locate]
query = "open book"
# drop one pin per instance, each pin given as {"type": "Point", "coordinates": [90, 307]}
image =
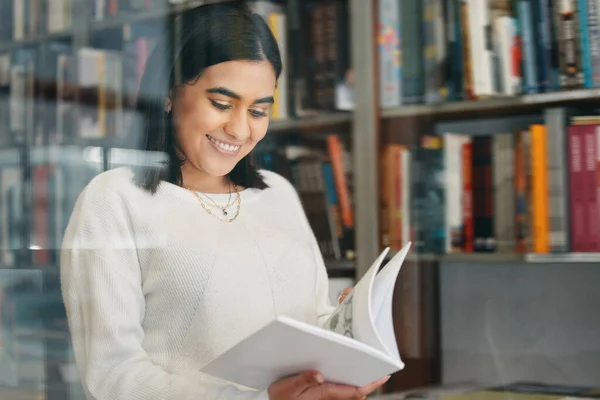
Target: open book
{"type": "Point", "coordinates": [357, 344]}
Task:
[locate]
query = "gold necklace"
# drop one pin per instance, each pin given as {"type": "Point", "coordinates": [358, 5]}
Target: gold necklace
{"type": "Point", "coordinates": [215, 204]}
{"type": "Point", "coordinates": [237, 201]}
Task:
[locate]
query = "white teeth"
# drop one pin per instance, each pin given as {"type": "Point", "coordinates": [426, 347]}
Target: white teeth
{"type": "Point", "coordinates": [226, 147]}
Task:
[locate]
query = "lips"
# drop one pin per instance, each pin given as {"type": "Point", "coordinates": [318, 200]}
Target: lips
{"type": "Point", "coordinates": [227, 148]}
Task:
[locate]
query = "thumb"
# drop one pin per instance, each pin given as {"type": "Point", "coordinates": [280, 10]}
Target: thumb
{"type": "Point", "coordinates": [344, 294]}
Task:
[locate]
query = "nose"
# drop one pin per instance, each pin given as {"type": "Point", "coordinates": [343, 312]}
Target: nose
{"type": "Point", "coordinates": [238, 126]}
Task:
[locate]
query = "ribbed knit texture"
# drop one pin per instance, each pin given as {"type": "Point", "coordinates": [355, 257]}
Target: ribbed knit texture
{"type": "Point", "coordinates": [155, 287]}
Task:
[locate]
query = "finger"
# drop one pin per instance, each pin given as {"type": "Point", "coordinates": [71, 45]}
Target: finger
{"type": "Point", "coordinates": [344, 294]}
{"type": "Point", "coordinates": [302, 382]}
{"type": "Point", "coordinates": [373, 386]}
{"type": "Point", "coordinates": [332, 391]}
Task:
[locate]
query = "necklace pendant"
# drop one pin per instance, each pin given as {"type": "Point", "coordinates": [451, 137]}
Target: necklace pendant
{"type": "Point", "coordinates": [224, 212]}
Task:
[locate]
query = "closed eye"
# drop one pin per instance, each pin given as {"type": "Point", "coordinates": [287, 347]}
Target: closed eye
{"type": "Point", "coordinates": [220, 106]}
{"type": "Point", "coordinates": [258, 114]}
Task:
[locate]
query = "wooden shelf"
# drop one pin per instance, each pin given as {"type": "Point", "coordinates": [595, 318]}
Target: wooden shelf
{"type": "Point", "coordinates": [507, 258]}
{"type": "Point", "coordinates": [113, 22]}
{"type": "Point", "coordinates": [127, 18]}
{"type": "Point", "coordinates": [340, 268]}
{"type": "Point", "coordinates": [469, 109]}
{"type": "Point", "coordinates": [10, 45]}
{"type": "Point", "coordinates": [482, 257]}
{"type": "Point", "coordinates": [334, 118]}
{"type": "Point", "coordinates": [564, 258]}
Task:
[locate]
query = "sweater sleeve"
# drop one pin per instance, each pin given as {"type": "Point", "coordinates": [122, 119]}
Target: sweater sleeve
{"type": "Point", "coordinates": [104, 299]}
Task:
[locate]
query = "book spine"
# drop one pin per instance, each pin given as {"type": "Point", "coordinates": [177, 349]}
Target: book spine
{"type": "Point", "coordinates": [569, 51]}
{"type": "Point", "coordinates": [521, 177]}
{"type": "Point", "coordinates": [453, 83]}
{"type": "Point", "coordinates": [397, 215]}
{"type": "Point", "coordinates": [557, 167]}
{"type": "Point", "coordinates": [598, 178]}
{"type": "Point", "coordinates": [389, 50]}
{"type": "Point", "coordinates": [481, 47]}
{"type": "Point", "coordinates": [539, 189]}
{"type": "Point", "coordinates": [509, 231]}
{"type": "Point", "coordinates": [336, 154]}
{"type": "Point", "coordinates": [467, 197]}
{"type": "Point", "coordinates": [594, 41]}
{"type": "Point", "coordinates": [412, 45]}
{"type": "Point", "coordinates": [577, 204]}
{"type": "Point", "coordinates": [488, 220]}
{"type": "Point", "coordinates": [406, 195]}
{"type": "Point", "coordinates": [330, 32]}
{"type": "Point", "coordinates": [586, 58]}
{"type": "Point", "coordinates": [592, 216]}
{"type": "Point", "coordinates": [386, 183]}
{"type": "Point", "coordinates": [544, 46]}
{"type": "Point", "coordinates": [503, 194]}
{"type": "Point", "coordinates": [530, 70]}
{"type": "Point", "coordinates": [429, 51]}
{"type": "Point", "coordinates": [468, 87]}
{"type": "Point", "coordinates": [498, 190]}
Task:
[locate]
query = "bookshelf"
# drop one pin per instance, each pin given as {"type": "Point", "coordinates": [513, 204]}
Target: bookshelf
{"type": "Point", "coordinates": [472, 99]}
{"type": "Point", "coordinates": [110, 33]}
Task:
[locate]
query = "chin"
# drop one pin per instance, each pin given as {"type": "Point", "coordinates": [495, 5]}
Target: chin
{"type": "Point", "coordinates": [217, 167]}
{"type": "Point", "coordinates": [218, 171]}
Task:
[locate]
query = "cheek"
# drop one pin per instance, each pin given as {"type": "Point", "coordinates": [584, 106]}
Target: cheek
{"type": "Point", "coordinates": [259, 130]}
{"type": "Point", "coordinates": [197, 122]}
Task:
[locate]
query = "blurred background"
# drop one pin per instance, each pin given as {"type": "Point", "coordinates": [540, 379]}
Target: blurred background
{"type": "Point", "coordinates": [469, 127]}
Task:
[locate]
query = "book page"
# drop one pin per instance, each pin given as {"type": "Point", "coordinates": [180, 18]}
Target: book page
{"type": "Point", "coordinates": [340, 320]}
{"type": "Point", "coordinates": [366, 313]}
{"type": "Point", "coordinates": [352, 317]}
{"type": "Point", "coordinates": [382, 300]}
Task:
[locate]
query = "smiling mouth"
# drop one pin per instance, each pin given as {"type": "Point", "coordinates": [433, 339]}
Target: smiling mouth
{"type": "Point", "coordinates": [224, 147]}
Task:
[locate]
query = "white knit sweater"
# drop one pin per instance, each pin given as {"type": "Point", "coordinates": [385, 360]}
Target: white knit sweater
{"type": "Point", "coordinates": [155, 287]}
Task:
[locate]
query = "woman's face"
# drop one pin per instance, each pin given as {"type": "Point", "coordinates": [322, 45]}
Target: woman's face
{"type": "Point", "coordinates": [224, 114]}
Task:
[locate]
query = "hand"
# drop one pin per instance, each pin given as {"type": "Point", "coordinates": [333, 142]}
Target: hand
{"type": "Point", "coordinates": [344, 294]}
{"type": "Point", "coordinates": [312, 386]}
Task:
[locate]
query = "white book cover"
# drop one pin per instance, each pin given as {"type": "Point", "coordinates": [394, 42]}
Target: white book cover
{"type": "Point", "coordinates": [481, 51]}
{"type": "Point", "coordinates": [505, 34]}
{"type": "Point", "coordinates": [356, 346]}
{"type": "Point", "coordinates": [453, 164]}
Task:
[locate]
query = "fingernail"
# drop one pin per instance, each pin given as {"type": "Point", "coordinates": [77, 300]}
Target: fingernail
{"type": "Point", "coordinates": [319, 378]}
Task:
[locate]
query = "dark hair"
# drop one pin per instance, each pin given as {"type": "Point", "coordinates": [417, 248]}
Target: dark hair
{"type": "Point", "coordinates": [209, 34]}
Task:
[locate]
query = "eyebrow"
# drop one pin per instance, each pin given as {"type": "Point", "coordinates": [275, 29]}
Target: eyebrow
{"type": "Point", "coordinates": [233, 95]}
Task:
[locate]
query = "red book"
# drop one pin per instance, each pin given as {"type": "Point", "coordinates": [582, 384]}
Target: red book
{"type": "Point", "coordinates": [467, 198]}
{"type": "Point", "coordinates": [591, 197]}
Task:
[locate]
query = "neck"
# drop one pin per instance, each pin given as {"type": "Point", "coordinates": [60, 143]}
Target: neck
{"type": "Point", "coordinates": [200, 181]}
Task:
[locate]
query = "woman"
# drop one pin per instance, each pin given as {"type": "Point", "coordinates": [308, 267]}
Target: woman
{"type": "Point", "coordinates": [165, 267]}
